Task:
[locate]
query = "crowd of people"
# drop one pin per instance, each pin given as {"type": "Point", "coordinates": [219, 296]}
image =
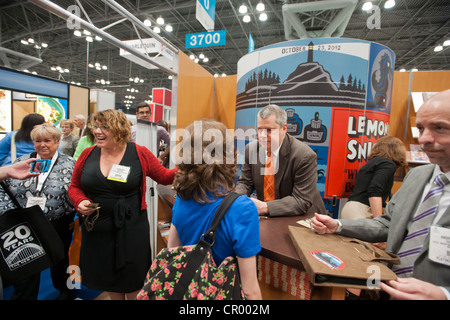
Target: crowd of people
{"type": "Point", "coordinates": [100, 176]}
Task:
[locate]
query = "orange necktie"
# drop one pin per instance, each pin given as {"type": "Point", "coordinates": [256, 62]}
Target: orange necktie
{"type": "Point", "coordinates": [269, 179]}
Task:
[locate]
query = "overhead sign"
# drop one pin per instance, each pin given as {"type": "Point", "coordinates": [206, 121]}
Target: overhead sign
{"type": "Point", "coordinates": [205, 39]}
{"type": "Point", "coordinates": [205, 12]}
{"type": "Point", "coordinates": [153, 48]}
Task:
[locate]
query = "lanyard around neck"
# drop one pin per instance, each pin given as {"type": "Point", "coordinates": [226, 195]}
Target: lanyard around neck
{"type": "Point", "coordinates": [40, 180]}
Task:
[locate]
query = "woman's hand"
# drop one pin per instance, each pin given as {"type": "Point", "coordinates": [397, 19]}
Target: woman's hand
{"type": "Point", "coordinates": [84, 209]}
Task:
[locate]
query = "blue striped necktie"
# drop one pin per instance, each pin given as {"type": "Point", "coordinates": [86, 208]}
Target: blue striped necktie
{"type": "Point", "coordinates": [419, 228]}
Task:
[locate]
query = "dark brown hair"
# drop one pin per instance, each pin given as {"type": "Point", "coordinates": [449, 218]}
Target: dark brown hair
{"type": "Point", "coordinates": [210, 174]}
{"type": "Point", "coordinates": [391, 148]}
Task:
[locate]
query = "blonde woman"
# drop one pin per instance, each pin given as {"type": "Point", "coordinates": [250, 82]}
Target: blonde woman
{"type": "Point", "coordinates": [108, 188]}
{"type": "Point", "coordinates": [69, 141]}
{"type": "Point", "coordinates": [49, 190]}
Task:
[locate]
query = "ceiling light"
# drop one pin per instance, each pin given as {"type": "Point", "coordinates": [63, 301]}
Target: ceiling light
{"type": "Point", "coordinates": [147, 22]}
{"type": "Point", "coordinates": [31, 40]}
{"type": "Point", "coordinates": [90, 65]}
{"type": "Point", "coordinates": [169, 28]}
{"type": "Point", "coordinates": [37, 46]}
{"type": "Point", "coordinates": [77, 33]}
{"type": "Point", "coordinates": [66, 70]}
{"type": "Point", "coordinates": [246, 18]}
{"type": "Point", "coordinates": [243, 8]}
{"type": "Point", "coordinates": [367, 6]}
{"type": "Point", "coordinates": [44, 45]}
{"type": "Point", "coordinates": [263, 16]}
{"type": "Point", "coordinates": [196, 60]}
{"type": "Point", "coordinates": [438, 48]}
{"type": "Point", "coordinates": [389, 4]}
{"type": "Point", "coordinates": [260, 7]}
{"type": "Point", "coordinates": [53, 68]}
{"type": "Point", "coordinates": [201, 56]}
{"type": "Point", "coordinates": [224, 74]}
{"type": "Point", "coordinates": [205, 59]}
{"type": "Point", "coordinates": [414, 69]}
{"type": "Point", "coordinates": [157, 29]}
{"type": "Point", "coordinates": [160, 20]}
{"type": "Point", "coordinates": [24, 41]}
{"type": "Point", "coordinates": [98, 38]}
{"type": "Point", "coordinates": [86, 32]}
{"type": "Point", "coordinates": [33, 72]}
{"type": "Point", "coordinates": [446, 43]}
{"type": "Point", "coordinates": [192, 57]}
{"type": "Point", "coordinates": [402, 70]}
{"type": "Point", "coordinates": [89, 39]}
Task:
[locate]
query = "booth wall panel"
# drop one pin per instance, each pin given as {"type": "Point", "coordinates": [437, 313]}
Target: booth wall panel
{"type": "Point", "coordinates": [78, 101]}
{"type": "Point", "coordinates": [20, 110]}
{"type": "Point", "coordinates": [195, 92]}
{"type": "Point", "coordinates": [225, 100]}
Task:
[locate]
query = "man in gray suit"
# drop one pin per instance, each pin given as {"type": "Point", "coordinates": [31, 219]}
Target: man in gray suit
{"type": "Point", "coordinates": [295, 162]}
{"type": "Point", "coordinates": [424, 271]}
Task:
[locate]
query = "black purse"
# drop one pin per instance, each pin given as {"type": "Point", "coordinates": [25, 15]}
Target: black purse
{"type": "Point", "coordinates": [28, 242]}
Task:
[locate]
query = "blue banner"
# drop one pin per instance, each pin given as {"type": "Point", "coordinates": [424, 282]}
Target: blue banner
{"type": "Point", "coordinates": [205, 39]}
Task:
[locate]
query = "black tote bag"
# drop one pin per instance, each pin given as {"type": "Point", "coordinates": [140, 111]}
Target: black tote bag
{"type": "Point", "coordinates": [28, 242]}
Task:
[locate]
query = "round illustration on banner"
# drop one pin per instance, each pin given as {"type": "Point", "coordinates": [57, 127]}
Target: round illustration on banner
{"type": "Point", "coordinates": [382, 78]}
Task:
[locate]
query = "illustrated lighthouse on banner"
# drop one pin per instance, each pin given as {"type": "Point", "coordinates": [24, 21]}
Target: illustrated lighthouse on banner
{"type": "Point", "coordinates": [336, 93]}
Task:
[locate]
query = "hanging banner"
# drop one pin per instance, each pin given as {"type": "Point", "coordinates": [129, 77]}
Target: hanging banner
{"type": "Point", "coordinates": [205, 12]}
{"type": "Point", "coordinates": [337, 96]}
{"type": "Point", "coordinates": [205, 39]}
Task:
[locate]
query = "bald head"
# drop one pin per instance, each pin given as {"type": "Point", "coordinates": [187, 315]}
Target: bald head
{"type": "Point", "coordinates": [433, 122]}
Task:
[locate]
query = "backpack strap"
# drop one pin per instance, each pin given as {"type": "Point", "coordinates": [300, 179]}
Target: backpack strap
{"type": "Point", "coordinates": [220, 213]}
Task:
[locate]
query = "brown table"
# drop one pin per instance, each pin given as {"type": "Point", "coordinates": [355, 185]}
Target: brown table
{"type": "Point", "coordinates": [281, 270]}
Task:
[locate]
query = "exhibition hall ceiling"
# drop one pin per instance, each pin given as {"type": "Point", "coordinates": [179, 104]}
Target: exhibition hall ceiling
{"type": "Point", "coordinates": [412, 29]}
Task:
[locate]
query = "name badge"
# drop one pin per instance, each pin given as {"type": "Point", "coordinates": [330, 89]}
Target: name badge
{"type": "Point", "coordinates": [119, 173]}
{"type": "Point", "coordinates": [439, 245]}
{"type": "Point", "coordinates": [40, 201]}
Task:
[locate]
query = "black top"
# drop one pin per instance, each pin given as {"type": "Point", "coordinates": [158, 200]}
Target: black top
{"type": "Point", "coordinates": [375, 179]}
{"type": "Point", "coordinates": [115, 255]}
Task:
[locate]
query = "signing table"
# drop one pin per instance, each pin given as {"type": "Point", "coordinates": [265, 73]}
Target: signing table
{"type": "Point", "coordinates": [280, 270]}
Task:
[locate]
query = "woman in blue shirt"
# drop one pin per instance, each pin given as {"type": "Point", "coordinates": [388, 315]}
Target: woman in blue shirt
{"type": "Point", "coordinates": [201, 186]}
{"type": "Point", "coordinates": [22, 140]}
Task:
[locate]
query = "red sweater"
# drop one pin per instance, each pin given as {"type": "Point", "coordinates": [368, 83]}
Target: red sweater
{"type": "Point", "coordinates": [150, 167]}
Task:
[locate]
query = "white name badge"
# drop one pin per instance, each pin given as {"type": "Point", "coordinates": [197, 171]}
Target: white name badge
{"type": "Point", "coordinates": [119, 173]}
{"type": "Point", "coordinates": [439, 245]}
{"type": "Point", "coordinates": [40, 201]}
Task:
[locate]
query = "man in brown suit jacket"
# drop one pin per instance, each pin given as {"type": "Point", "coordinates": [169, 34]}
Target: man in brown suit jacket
{"type": "Point", "coordinates": [296, 192]}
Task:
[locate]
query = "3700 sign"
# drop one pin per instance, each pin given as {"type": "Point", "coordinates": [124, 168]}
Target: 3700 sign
{"type": "Point", "coordinates": [205, 39]}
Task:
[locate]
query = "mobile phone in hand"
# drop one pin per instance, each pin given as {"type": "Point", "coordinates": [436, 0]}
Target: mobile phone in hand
{"type": "Point", "coordinates": [42, 165]}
